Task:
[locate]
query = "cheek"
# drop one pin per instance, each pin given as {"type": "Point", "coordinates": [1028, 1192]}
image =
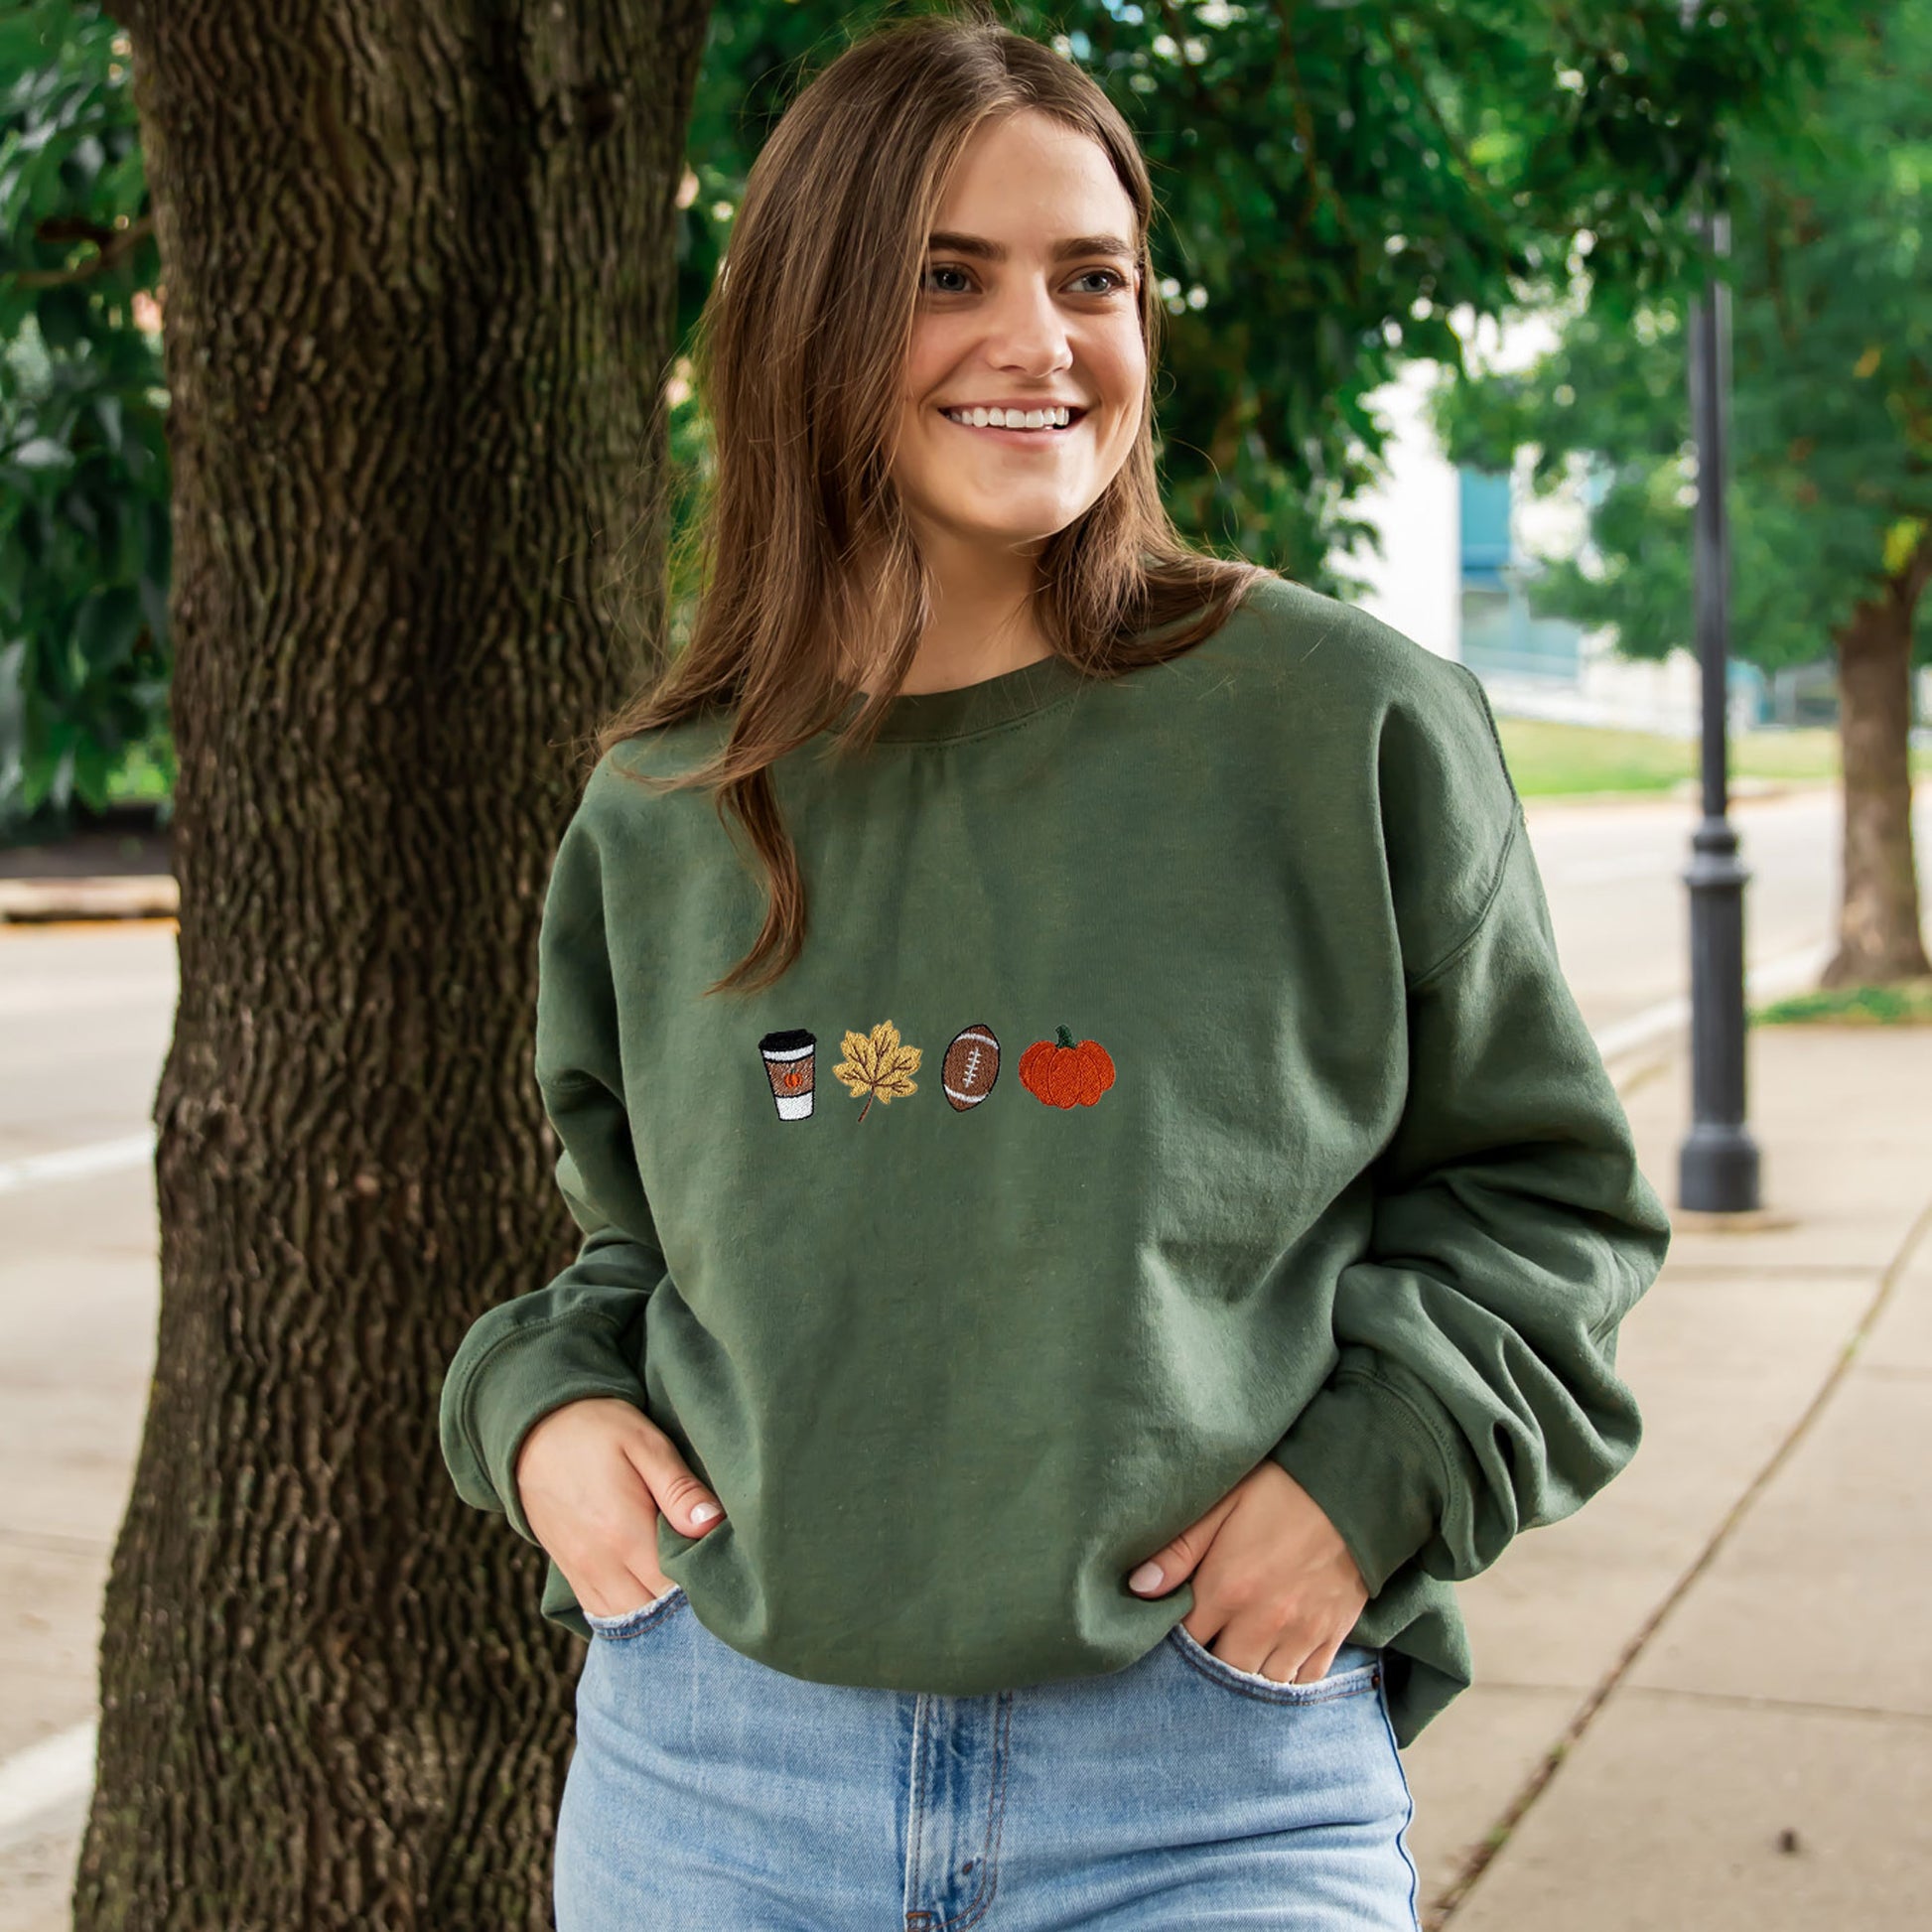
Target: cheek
{"type": "Point", "coordinates": [1126, 384]}
{"type": "Point", "coordinates": [931, 354]}
{"type": "Point", "coordinates": [1127, 418]}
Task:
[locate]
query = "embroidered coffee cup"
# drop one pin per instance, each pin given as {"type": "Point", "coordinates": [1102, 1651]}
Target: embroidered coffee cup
{"type": "Point", "coordinates": [788, 1065]}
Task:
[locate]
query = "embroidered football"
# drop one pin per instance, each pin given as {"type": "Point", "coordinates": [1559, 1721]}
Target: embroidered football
{"type": "Point", "coordinates": [971, 1066]}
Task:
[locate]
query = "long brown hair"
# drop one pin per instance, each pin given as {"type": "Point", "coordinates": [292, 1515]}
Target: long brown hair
{"type": "Point", "coordinates": [802, 342]}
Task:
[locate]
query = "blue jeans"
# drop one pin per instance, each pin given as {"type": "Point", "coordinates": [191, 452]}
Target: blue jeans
{"type": "Point", "coordinates": [711, 1791]}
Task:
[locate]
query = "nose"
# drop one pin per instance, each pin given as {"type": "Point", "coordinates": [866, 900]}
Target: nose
{"type": "Point", "coordinates": [1026, 332]}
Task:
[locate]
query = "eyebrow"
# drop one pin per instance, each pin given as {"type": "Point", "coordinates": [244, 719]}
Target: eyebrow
{"type": "Point", "coordinates": [996, 251]}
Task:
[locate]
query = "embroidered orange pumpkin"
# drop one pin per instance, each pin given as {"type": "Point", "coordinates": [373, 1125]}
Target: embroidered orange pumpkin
{"type": "Point", "coordinates": [1065, 1072]}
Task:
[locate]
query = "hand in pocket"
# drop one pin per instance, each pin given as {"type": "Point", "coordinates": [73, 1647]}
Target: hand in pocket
{"type": "Point", "coordinates": [593, 1477]}
{"type": "Point", "coordinates": [1276, 1588]}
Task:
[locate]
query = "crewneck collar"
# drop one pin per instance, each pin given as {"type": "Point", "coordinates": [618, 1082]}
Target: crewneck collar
{"type": "Point", "coordinates": [970, 708]}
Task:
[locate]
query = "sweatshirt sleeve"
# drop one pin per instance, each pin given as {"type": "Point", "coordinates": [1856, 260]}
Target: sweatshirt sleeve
{"type": "Point", "coordinates": [1475, 1392]}
{"type": "Point", "coordinates": [580, 1334]}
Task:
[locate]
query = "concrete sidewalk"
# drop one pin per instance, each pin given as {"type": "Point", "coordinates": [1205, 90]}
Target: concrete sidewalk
{"type": "Point", "coordinates": [1705, 1700]}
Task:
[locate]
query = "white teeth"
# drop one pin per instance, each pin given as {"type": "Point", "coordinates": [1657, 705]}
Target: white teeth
{"type": "Point", "coordinates": [1011, 418]}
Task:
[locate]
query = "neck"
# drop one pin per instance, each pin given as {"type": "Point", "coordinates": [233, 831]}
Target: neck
{"type": "Point", "coordinates": [983, 620]}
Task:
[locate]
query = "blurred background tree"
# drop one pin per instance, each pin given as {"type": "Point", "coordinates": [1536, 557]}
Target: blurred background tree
{"type": "Point", "coordinates": [1831, 453]}
{"type": "Point", "coordinates": [84, 662]}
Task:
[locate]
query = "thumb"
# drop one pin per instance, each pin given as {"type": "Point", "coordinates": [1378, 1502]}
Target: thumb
{"type": "Point", "coordinates": [687, 1504]}
{"type": "Point", "coordinates": [1174, 1562]}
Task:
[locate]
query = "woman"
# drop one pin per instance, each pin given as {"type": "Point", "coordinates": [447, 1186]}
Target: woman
{"type": "Point", "coordinates": [1140, 1215]}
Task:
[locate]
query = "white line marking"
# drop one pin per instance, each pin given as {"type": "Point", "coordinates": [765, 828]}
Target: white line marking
{"type": "Point", "coordinates": [67, 1163]}
{"type": "Point", "coordinates": [44, 1775]}
{"type": "Point", "coordinates": [1769, 978]}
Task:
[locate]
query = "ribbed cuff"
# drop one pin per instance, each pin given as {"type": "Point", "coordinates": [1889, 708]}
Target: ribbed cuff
{"type": "Point", "coordinates": [1374, 1467]}
{"type": "Point", "coordinates": [528, 1374]}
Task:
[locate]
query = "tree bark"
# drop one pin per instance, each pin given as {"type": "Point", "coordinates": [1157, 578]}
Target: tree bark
{"type": "Point", "coordinates": [1879, 939]}
{"type": "Point", "coordinates": [419, 291]}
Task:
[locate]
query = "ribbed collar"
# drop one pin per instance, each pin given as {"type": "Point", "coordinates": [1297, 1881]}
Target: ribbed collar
{"type": "Point", "coordinates": [970, 708]}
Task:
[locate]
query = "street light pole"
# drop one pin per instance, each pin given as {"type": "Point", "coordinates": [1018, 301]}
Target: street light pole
{"type": "Point", "coordinates": [1717, 1164]}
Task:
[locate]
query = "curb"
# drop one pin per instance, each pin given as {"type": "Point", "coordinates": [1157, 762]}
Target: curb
{"type": "Point", "coordinates": [156, 896]}
{"type": "Point", "coordinates": [1682, 791]}
{"type": "Point", "coordinates": [132, 895]}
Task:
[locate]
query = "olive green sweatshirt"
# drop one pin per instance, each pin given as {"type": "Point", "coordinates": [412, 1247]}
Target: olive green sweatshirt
{"type": "Point", "coordinates": [1178, 1072]}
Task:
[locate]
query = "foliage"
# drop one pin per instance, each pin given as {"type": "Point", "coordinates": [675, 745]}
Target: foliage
{"type": "Point", "coordinates": [85, 527]}
{"type": "Point", "coordinates": [1831, 427]}
{"type": "Point", "coordinates": [1340, 181]}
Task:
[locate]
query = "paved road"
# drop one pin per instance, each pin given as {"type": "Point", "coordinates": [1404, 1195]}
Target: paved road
{"type": "Point", "coordinates": [85, 1014]}
{"type": "Point", "coordinates": [1614, 874]}
{"type": "Point", "coordinates": [85, 1017]}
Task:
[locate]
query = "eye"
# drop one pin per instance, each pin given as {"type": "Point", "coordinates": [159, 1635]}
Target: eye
{"type": "Point", "coordinates": [1115, 279]}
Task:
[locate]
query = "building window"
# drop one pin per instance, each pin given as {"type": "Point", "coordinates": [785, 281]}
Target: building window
{"type": "Point", "coordinates": [1500, 640]}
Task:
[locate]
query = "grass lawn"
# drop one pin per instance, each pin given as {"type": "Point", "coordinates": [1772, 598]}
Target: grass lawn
{"type": "Point", "coordinates": [1547, 759]}
{"type": "Point", "coordinates": [1908, 1003]}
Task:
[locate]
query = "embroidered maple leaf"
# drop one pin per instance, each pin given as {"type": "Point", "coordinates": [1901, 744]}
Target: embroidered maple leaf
{"type": "Point", "coordinates": [877, 1065]}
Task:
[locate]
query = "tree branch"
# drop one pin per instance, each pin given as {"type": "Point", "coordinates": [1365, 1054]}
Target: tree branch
{"type": "Point", "coordinates": [112, 244]}
{"type": "Point", "coordinates": [1320, 188]}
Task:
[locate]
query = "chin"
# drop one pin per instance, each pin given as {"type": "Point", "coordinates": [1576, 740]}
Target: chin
{"type": "Point", "coordinates": [1035, 528]}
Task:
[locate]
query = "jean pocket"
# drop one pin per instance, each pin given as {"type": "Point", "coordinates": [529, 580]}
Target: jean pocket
{"type": "Point", "coordinates": [1356, 1670]}
{"type": "Point", "coordinates": [633, 1623]}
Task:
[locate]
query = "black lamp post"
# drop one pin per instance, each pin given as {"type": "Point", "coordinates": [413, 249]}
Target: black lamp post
{"type": "Point", "coordinates": [1718, 1165]}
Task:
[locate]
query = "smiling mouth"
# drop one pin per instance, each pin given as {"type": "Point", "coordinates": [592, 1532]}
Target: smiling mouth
{"type": "Point", "coordinates": [1045, 433]}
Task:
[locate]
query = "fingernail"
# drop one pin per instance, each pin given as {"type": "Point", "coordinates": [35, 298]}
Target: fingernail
{"type": "Point", "coordinates": [703, 1512]}
{"type": "Point", "coordinates": [1147, 1576]}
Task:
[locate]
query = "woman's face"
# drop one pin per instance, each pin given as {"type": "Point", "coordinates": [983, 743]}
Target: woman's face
{"type": "Point", "coordinates": [1005, 317]}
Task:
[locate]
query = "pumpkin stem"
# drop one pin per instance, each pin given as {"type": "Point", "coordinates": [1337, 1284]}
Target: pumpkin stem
{"type": "Point", "coordinates": [1066, 1038]}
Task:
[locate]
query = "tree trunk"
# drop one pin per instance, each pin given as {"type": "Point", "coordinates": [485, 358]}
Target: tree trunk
{"type": "Point", "coordinates": [419, 292]}
{"type": "Point", "coordinates": [1879, 939]}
